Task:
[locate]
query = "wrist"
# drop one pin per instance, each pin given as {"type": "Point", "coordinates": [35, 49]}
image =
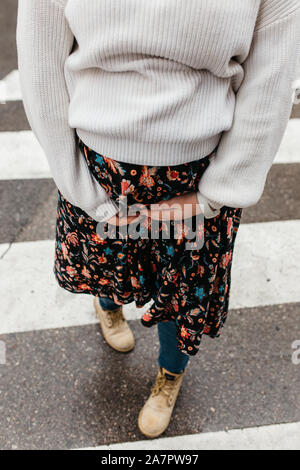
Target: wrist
{"type": "Point", "coordinates": [210, 208]}
{"type": "Point", "coordinates": [106, 210]}
{"type": "Point", "coordinates": [215, 205]}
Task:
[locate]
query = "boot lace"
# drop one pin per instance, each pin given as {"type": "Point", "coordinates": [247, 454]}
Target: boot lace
{"type": "Point", "coordinates": [165, 386]}
{"type": "Point", "coordinates": [114, 318]}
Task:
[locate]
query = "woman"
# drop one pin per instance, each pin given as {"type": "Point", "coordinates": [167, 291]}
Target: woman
{"type": "Point", "coordinates": [151, 104]}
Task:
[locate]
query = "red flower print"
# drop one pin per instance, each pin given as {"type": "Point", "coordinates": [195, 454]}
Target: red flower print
{"type": "Point", "coordinates": [147, 317]}
{"type": "Point", "coordinates": [85, 272]}
{"type": "Point", "coordinates": [200, 270]}
{"type": "Point", "coordinates": [126, 187]}
{"type": "Point", "coordinates": [110, 163]}
{"type": "Point", "coordinates": [71, 271]}
{"type": "Point", "coordinates": [96, 239]}
{"type": "Point", "coordinates": [72, 238]}
{"type": "Point", "coordinates": [146, 179]}
{"type": "Point", "coordinates": [103, 282]}
{"type": "Point", "coordinates": [184, 332]}
{"type": "Point", "coordinates": [229, 227]}
{"type": "Point", "coordinates": [84, 287]}
{"type": "Point", "coordinates": [172, 175]}
{"type": "Point", "coordinates": [134, 282]}
{"type": "Point", "coordinates": [102, 259]}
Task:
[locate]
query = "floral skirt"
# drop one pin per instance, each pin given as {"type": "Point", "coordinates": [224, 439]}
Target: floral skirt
{"type": "Point", "coordinates": [189, 286]}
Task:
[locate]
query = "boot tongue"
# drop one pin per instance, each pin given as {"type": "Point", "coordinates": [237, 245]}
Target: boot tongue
{"type": "Point", "coordinates": [167, 375]}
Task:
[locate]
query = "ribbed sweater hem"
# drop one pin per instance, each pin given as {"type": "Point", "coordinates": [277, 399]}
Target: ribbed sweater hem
{"type": "Point", "coordinates": [148, 153]}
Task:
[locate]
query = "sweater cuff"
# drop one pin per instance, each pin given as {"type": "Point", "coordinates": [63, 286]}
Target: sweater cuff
{"type": "Point", "coordinates": [211, 208]}
{"type": "Point", "coordinates": [106, 210]}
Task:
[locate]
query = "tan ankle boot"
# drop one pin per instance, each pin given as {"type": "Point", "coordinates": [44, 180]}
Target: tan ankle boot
{"type": "Point", "coordinates": [155, 415]}
{"type": "Point", "coordinates": [115, 328]}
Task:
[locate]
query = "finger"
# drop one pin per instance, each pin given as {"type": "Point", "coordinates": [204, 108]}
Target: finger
{"type": "Point", "coordinates": [166, 215]}
{"type": "Point", "coordinates": [127, 220]}
{"type": "Point", "coordinates": [113, 220]}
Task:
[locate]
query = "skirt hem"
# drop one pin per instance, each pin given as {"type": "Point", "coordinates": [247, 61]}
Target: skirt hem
{"type": "Point", "coordinates": [97, 293]}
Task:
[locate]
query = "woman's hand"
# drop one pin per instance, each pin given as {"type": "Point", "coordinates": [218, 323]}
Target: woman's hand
{"type": "Point", "coordinates": [176, 208]}
{"type": "Point", "coordinates": [121, 219]}
{"type": "Point", "coordinates": [183, 206]}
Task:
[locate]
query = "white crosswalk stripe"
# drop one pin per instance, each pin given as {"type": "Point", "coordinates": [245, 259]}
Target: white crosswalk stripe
{"type": "Point", "coordinates": [22, 156]}
{"type": "Point", "coordinates": [10, 89]}
{"type": "Point", "coordinates": [289, 150]}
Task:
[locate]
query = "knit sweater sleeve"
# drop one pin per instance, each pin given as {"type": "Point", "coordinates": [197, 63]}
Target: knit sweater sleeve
{"type": "Point", "coordinates": [236, 176]}
{"type": "Point", "coordinates": [44, 41]}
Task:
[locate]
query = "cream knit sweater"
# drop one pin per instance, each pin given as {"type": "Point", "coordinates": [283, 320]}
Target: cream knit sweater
{"type": "Point", "coordinates": [159, 82]}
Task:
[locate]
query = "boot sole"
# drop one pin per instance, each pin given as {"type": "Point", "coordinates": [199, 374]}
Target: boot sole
{"type": "Point", "coordinates": [107, 340]}
{"type": "Point", "coordinates": [151, 436]}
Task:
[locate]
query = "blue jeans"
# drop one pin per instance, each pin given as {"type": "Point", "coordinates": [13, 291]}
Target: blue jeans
{"type": "Point", "coordinates": [170, 357]}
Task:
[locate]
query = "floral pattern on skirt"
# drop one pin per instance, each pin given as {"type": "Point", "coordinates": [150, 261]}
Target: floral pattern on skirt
{"type": "Point", "coordinates": [189, 286]}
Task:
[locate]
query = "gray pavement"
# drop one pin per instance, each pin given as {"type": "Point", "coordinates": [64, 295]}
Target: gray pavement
{"type": "Point", "coordinates": [8, 56]}
{"type": "Point", "coordinates": [65, 388]}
